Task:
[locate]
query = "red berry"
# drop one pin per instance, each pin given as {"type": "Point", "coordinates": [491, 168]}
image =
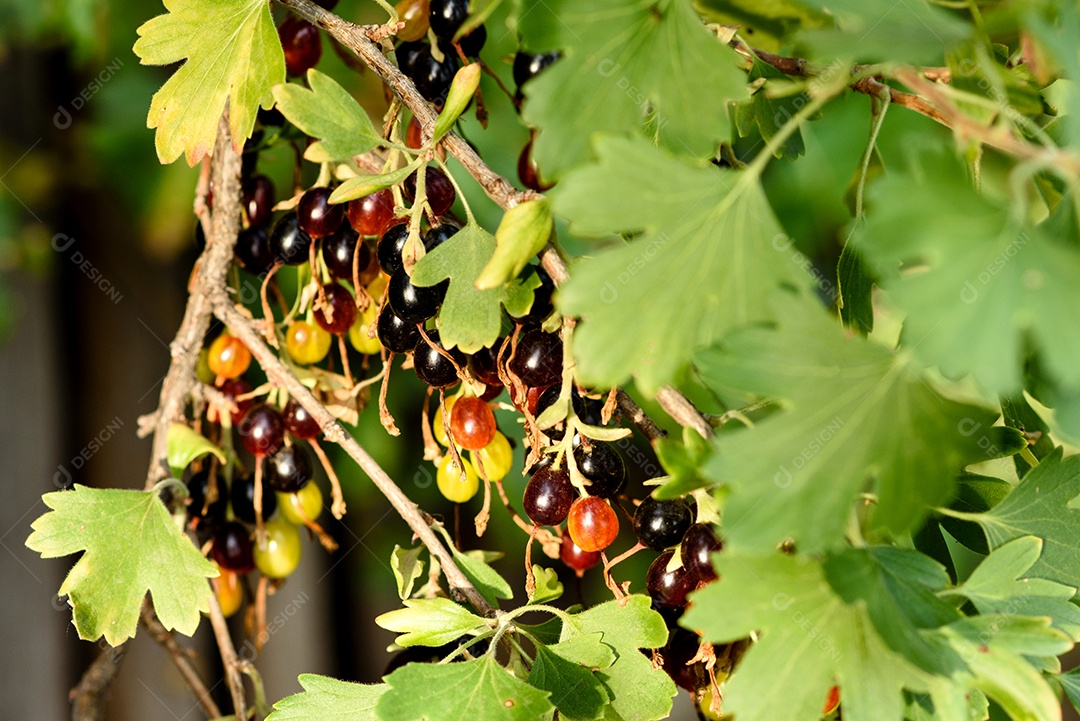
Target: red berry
{"type": "Point", "coordinates": [592, 523]}
{"type": "Point", "coordinates": [372, 214]}
{"type": "Point", "coordinates": [571, 554]}
{"type": "Point", "coordinates": [472, 423]}
{"type": "Point", "coordinates": [340, 310]}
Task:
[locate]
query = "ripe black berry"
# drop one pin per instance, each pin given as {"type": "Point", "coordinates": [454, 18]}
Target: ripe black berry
{"type": "Point", "coordinates": [288, 243]}
{"type": "Point", "coordinates": [396, 335]}
{"type": "Point", "coordinates": [661, 524]}
{"type": "Point", "coordinates": [602, 466]}
{"type": "Point", "coordinates": [432, 367]}
{"type": "Point", "coordinates": [698, 542]}
{"type": "Point", "coordinates": [289, 469]}
{"type": "Point", "coordinates": [414, 303]}
{"type": "Point", "coordinates": [548, 496]}
{"type": "Point", "coordinates": [242, 497]}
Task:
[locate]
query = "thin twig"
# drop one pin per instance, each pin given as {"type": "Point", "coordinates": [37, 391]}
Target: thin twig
{"type": "Point", "coordinates": [180, 657]}
{"type": "Point", "coordinates": [244, 328]}
{"type": "Point", "coordinates": [935, 105]}
{"type": "Point", "coordinates": [229, 659]}
{"type": "Point", "coordinates": [89, 696]}
{"type": "Point", "coordinates": [213, 267]}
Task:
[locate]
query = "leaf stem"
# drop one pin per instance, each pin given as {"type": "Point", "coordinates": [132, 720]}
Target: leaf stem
{"type": "Point", "coordinates": [961, 515]}
{"type": "Point", "coordinates": [864, 164]}
{"type": "Point", "coordinates": [1028, 456]}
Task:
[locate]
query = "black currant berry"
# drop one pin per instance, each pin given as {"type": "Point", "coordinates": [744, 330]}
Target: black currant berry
{"type": "Point", "coordinates": [436, 235]}
{"type": "Point", "coordinates": [698, 543]}
{"type": "Point", "coordinates": [288, 243]}
{"type": "Point", "coordinates": [289, 469]}
{"type": "Point", "coordinates": [317, 217]}
{"type": "Point", "coordinates": [438, 189]}
{"type": "Point", "coordinates": [538, 360]}
{"type": "Point", "coordinates": [337, 316]}
{"type": "Point", "coordinates": [681, 647]}
{"type": "Point", "coordinates": [661, 524]}
{"type": "Point", "coordinates": [339, 250]}
{"type": "Point", "coordinates": [432, 367]}
{"type": "Point", "coordinates": [253, 251]}
{"type": "Point", "coordinates": [198, 486]}
{"type": "Point", "coordinates": [602, 466]}
{"type": "Point", "coordinates": [668, 588]}
{"type": "Point", "coordinates": [302, 45]}
{"type": "Point", "coordinates": [242, 497]}
{"type": "Point", "coordinates": [299, 422]}
{"type": "Point", "coordinates": [541, 306]}
{"type": "Point", "coordinates": [232, 548]}
{"type": "Point", "coordinates": [484, 364]}
{"type": "Point", "coordinates": [259, 200]}
{"type": "Point", "coordinates": [431, 77]}
{"type": "Point", "coordinates": [548, 496]}
{"type": "Point", "coordinates": [414, 303]}
{"type": "Point", "coordinates": [447, 16]}
{"type": "Point", "coordinates": [390, 246]}
{"type": "Point", "coordinates": [528, 65]}
{"type": "Point", "coordinates": [473, 42]}
{"type": "Point", "coordinates": [262, 431]}
{"type": "Point", "coordinates": [395, 334]}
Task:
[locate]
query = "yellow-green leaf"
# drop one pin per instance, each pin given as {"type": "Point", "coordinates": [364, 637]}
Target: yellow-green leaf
{"type": "Point", "coordinates": [131, 546]}
{"type": "Point", "coordinates": [230, 50]}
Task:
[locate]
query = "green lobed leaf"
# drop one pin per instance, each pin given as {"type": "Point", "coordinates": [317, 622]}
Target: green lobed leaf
{"type": "Point", "coordinates": [638, 691]}
{"type": "Point", "coordinates": [131, 546]}
{"type": "Point", "coordinates": [429, 622]}
{"type": "Point", "coordinates": [548, 587]}
{"type": "Point", "coordinates": [1043, 505]}
{"type": "Point", "coordinates": [231, 51]}
{"type": "Point", "coordinates": [184, 445]}
{"type": "Point", "coordinates": [407, 567]}
{"type": "Point", "coordinates": [330, 113]}
{"type": "Point", "coordinates": [475, 689]}
{"type": "Point", "coordinates": [522, 233]}
{"type": "Point", "coordinates": [809, 640]}
{"type": "Point", "coordinates": [897, 588]}
{"type": "Point", "coordinates": [855, 418]}
{"type": "Point", "coordinates": [469, 319]}
{"type": "Point", "coordinates": [991, 289]}
{"type": "Point", "coordinates": [709, 253]}
{"type": "Point", "coordinates": [328, 699]}
{"type": "Point", "coordinates": [974, 494]}
{"type": "Point", "coordinates": [1070, 682]}
{"type": "Point", "coordinates": [626, 65]}
{"type": "Point", "coordinates": [870, 31]}
{"type": "Point", "coordinates": [566, 671]}
{"type": "Point", "coordinates": [995, 648]}
{"type": "Point", "coordinates": [1001, 584]}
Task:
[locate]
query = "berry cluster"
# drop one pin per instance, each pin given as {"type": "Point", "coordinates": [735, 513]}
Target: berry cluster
{"type": "Point", "coordinates": [251, 520]}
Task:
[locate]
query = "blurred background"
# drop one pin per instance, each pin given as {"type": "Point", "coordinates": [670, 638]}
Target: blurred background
{"type": "Point", "coordinates": [96, 246]}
